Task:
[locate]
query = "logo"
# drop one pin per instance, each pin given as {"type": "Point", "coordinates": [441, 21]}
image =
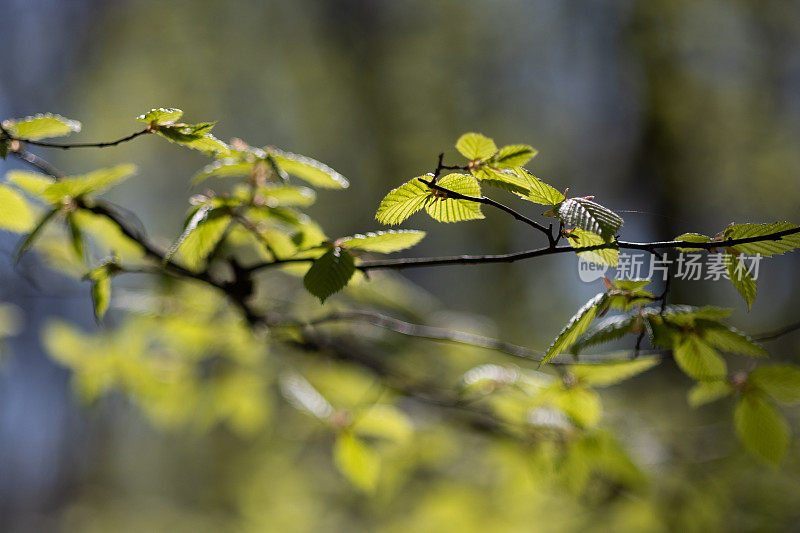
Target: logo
{"type": "Point", "coordinates": [589, 272]}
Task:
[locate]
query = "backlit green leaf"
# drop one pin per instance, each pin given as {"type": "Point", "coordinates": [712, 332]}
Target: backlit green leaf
{"type": "Point", "coordinates": [200, 236]}
{"type": "Point", "coordinates": [502, 179]}
{"type": "Point", "coordinates": [604, 256]}
{"type": "Point", "coordinates": [577, 325]}
{"type": "Point", "coordinates": [605, 330]}
{"type": "Point", "coordinates": [590, 216]}
{"type": "Point", "coordinates": [160, 115]}
{"type": "Point", "coordinates": [513, 156]}
{"type": "Point", "coordinates": [691, 237]}
{"type": "Point", "coordinates": [612, 372]}
{"type": "Point", "coordinates": [699, 360]}
{"type": "Point", "coordinates": [15, 213]}
{"type": "Point", "coordinates": [28, 241]}
{"type": "Point", "coordinates": [30, 182]}
{"type": "Point", "coordinates": [285, 195]}
{"type": "Point", "coordinates": [456, 210]}
{"type": "Point", "coordinates": [101, 290]}
{"type": "Point", "coordinates": [359, 463]}
{"type": "Point", "coordinates": [224, 168]}
{"type": "Point", "coordinates": [765, 248]}
{"type": "Point", "coordinates": [741, 278]}
{"type": "Point", "coordinates": [731, 340]}
{"type": "Point", "coordinates": [582, 405]}
{"type": "Point", "coordinates": [384, 422]}
{"type": "Point", "coordinates": [310, 170]}
{"type": "Point", "coordinates": [705, 392]}
{"type": "Point", "coordinates": [782, 382]}
{"type": "Point", "coordinates": [384, 242]}
{"type": "Point", "coordinates": [93, 182]}
{"type": "Point", "coordinates": [403, 202]}
{"type": "Point", "coordinates": [760, 428]}
{"type": "Point", "coordinates": [329, 273]}
{"type": "Point", "coordinates": [540, 192]}
{"type": "Point", "coordinates": [42, 126]}
{"type": "Point", "coordinates": [475, 146]}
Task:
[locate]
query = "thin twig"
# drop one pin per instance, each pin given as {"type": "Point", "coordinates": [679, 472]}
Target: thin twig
{"type": "Point", "coordinates": [771, 335]}
{"type": "Point", "coordinates": [67, 146]}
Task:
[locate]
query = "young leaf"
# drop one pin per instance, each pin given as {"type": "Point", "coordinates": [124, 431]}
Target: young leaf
{"type": "Point", "coordinates": [582, 405]}
{"type": "Point", "coordinates": [782, 382]}
{"type": "Point", "coordinates": [760, 428]}
{"type": "Point", "coordinates": [101, 290]}
{"type": "Point", "coordinates": [200, 236]}
{"type": "Point", "coordinates": [591, 216]}
{"type": "Point", "coordinates": [705, 392]}
{"type": "Point", "coordinates": [30, 182]}
{"type": "Point", "coordinates": [513, 156]}
{"type": "Point", "coordinates": [383, 242]}
{"type": "Point", "coordinates": [403, 202]}
{"type": "Point", "coordinates": [329, 273]}
{"type": "Point", "coordinates": [359, 463]}
{"type": "Point", "coordinates": [540, 192]}
{"type": "Point", "coordinates": [76, 237]}
{"type": "Point", "coordinates": [384, 422]}
{"type": "Point", "coordinates": [286, 195]}
{"type": "Point", "coordinates": [699, 360]}
{"type": "Point", "coordinates": [728, 339]}
{"type": "Point", "coordinates": [93, 182]}
{"type": "Point", "coordinates": [456, 210]}
{"type": "Point", "coordinates": [310, 170]}
{"type": "Point", "coordinates": [42, 126]}
{"type": "Point", "coordinates": [691, 237]}
{"type": "Point", "coordinates": [577, 325]}
{"type": "Point", "coordinates": [608, 329]}
{"type": "Point", "coordinates": [15, 213]}
{"type": "Point", "coordinates": [604, 256]}
{"type": "Point", "coordinates": [28, 241]}
{"type": "Point", "coordinates": [475, 146]}
{"type": "Point", "coordinates": [224, 168]}
{"type": "Point", "coordinates": [612, 372]}
{"type": "Point", "coordinates": [502, 179]}
{"type": "Point", "coordinates": [741, 279]}
{"type": "Point", "coordinates": [160, 115]}
{"type": "Point", "coordinates": [766, 248]}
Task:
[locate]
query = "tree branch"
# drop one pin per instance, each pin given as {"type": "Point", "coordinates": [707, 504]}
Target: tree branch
{"type": "Point", "coordinates": [67, 146]}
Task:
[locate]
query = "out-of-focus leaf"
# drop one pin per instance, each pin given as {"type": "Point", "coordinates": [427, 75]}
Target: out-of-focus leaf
{"type": "Point", "coordinates": [329, 273]}
{"type": "Point", "coordinates": [782, 382]}
{"type": "Point", "coordinates": [385, 422]}
{"type": "Point", "coordinates": [728, 339]}
{"type": "Point", "coordinates": [15, 213]}
{"type": "Point", "coordinates": [93, 182]}
{"type": "Point", "coordinates": [101, 290]}
{"type": "Point", "coordinates": [359, 463]}
{"type": "Point", "coordinates": [42, 126]}
{"type": "Point", "coordinates": [577, 325]}
{"type": "Point", "coordinates": [612, 372]}
{"type": "Point", "coordinates": [28, 241]}
{"type": "Point", "coordinates": [310, 170]}
{"type": "Point", "coordinates": [699, 360]}
{"type": "Point", "coordinates": [383, 242]}
{"type": "Point", "coordinates": [760, 428]}
{"type": "Point", "coordinates": [705, 392]}
{"type": "Point", "coordinates": [32, 183]}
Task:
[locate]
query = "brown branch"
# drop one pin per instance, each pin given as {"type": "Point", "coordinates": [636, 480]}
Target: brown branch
{"type": "Point", "coordinates": [67, 146]}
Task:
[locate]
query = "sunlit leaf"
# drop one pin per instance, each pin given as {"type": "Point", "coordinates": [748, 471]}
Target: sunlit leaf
{"type": "Point", "coordinates": [93, 182]}
{"type": "Point", "coordinates": [32, 183]}
{"type": "Point", "coordinates": [403, 202]}
{"type": "Point", "coordinates": [160, 115]}
{"type": "Point", "coordinates": [456, 210]}
{"type": "Point", "coordinates": [741, 279]}
{"type": "Point", "coordinates": [691, 237]}
{"type": "Point", "coordinates": [699, 360]}
{"type": "Point", "coordinates": [782, 382]}
{"type": "Point", "coordinates": [310, 170]}
{"type": "Point", "coordinates": [101, 290]}
{"type": "Point", "coordinates": [766, 248]}
{"type": "Point", "coordinates": [731, 340]}
{"type": "Point", "coordinates": [502, 179]}
{"type": "Point", "coordinates": [329, 273]}
{"type": "Point", "coordinates": [577, 325]}
{"type": "Point", "coordinates": [604, 330]}
{"type": "Point", "coordinates": [384, 422]}
{"type": "Point", "coordinates": [513, 156]}
{"type": "Point", "coordinates": [475, 146]}
{"type": "Point", "coordinates": [383, 241]}
{"type": "Point", "coordinates": [359, 463]}
{"type": "Point", "coordinates": [540, 192]}
{"type": "Point", "coordinates": [200, 236]}
{"type": "Point", "coordinates": [608, 256]}
{"type": "Point", "coordinates": [224, 168]}
{"type": "Point", "coordinates": [704, 392]}
{"type": "Point", "coordinates": [15, 213]}
{"type": "Point", "coordinates": [42, 126]}
{"type": "Point", "coordinates": [760, 428]}
{"type": "Point", "coordinates": [612, 372]}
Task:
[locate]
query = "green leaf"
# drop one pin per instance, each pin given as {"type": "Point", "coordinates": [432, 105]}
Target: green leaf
{"type": "Point", "coordinates": [76, 237]}
{"type": "Point", "coordinates": [705, 392]}
{"type": "Point", "coordinates": [608, 329]}
{"type": "Point", "coordinates": [699, 360]}
{"type": "Point", "coordinates": [760, 428]}
{"type": "Point", "coordinates": [329, 273]}
{"type": "Point", "coordinates": [200, 236]}
{"type": "Point", "coordinates": [42, 126]}
{"type": "Point", "coordinates": [686, 315]}
{"type": "Point", "coordinates": [513, 156]}
{"type": "Point", "coordinates": [93, 182]}
{"type": "Point", "coordinates": [15, 213]}
{"type": "Point", "coordinates": [582, 405]}
{"type": "Point", "coordinates": [224, 168]}
{"type": "Point", "coordinates": [604, 256]}
{"type": "Point", "coordinates": [456, 210]}
{"type": "Point", "coordinates": [691, 237]}
{"type": "Point", "coordinates": [193, 136]}
{"type": "Point", "coordinates": [502, 179]}
{"type": "Point", "coordinates": [160, 115]}
{"type": "Point", "coordinates": [28, 241]}
{"type": "Point", "coordinates": [741, 278]}
{"type": "Point", "coordinates": [310, 170]}
{"type": "Point", "coordinates": [612, 372]}
{"type": "Point", "coordinates": [577, 325]}
{"type": "Point", "coordinates": [765, 248]}
{"type": "Point", "coordinates": [590, 216]}
{"type": "Point", "coordinates": [632, 285]}
{"type": "Point", "coordinates": [782, 382]}
{"type": "Point", "coordinates": [101, 290]}
{"type": "Point", "coordinates": [728, 339]}
{"type": "Point", "coordinates": [475, 146]}
{"type": "Point", "coordinates": [285, 195]}
{"type": "Point", "coordinates": [30, 182]}
{"type": "Point", "coordinates": [540, 192]}
{"type": "Point", "coordinates": [359, 463]}
{"type": "Point", "coordinates": [403, 202]}
{"type": "Point", "coordinates": [384, 422]}
{"type": "Point", "coordinates": [383, 242]}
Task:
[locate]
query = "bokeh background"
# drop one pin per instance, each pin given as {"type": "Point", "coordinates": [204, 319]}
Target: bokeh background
{"type": "Point", "coordinates": [681, 115]}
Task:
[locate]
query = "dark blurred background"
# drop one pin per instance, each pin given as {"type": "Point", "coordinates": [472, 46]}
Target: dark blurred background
{"type": "Point", "coordinates": [682, 115]}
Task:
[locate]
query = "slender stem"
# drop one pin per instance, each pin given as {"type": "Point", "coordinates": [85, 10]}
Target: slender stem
{"type": "Point", "coordinates": [771, 335]}
{"type": "Point", "coordinates": [67, 146]}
